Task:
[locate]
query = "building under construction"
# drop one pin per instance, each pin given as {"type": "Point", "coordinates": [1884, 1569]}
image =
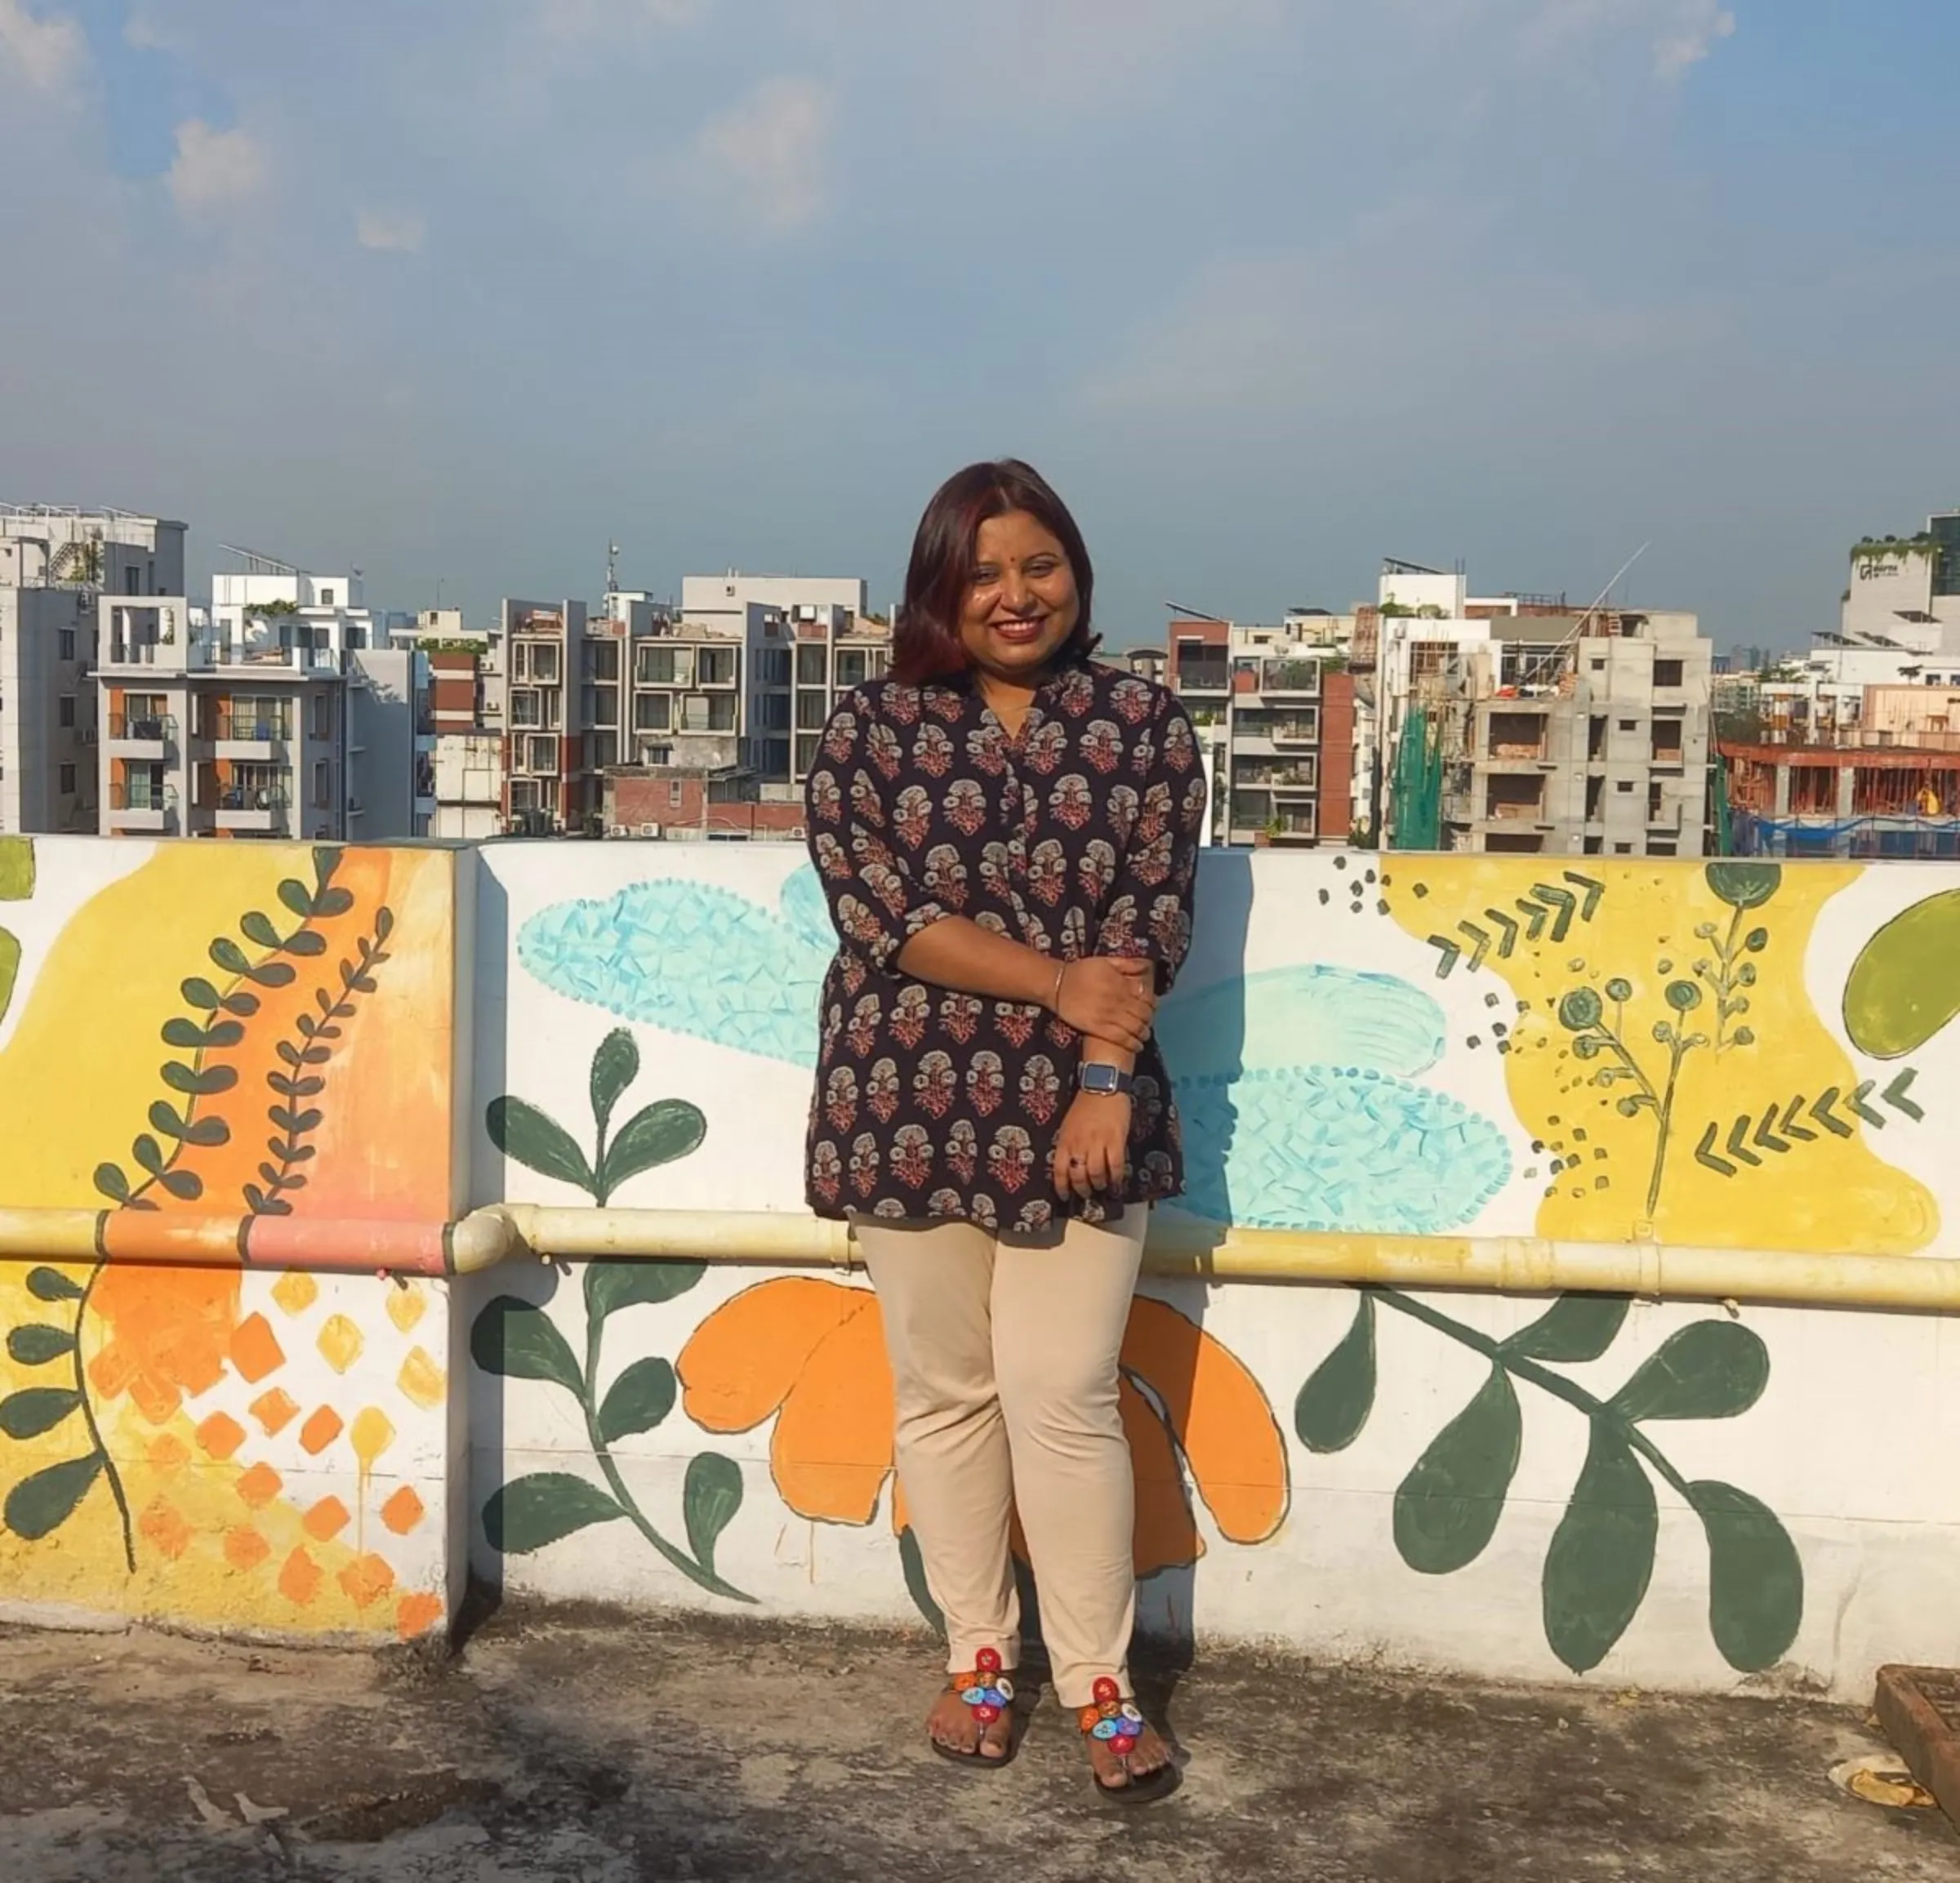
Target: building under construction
{"type": "Point", "coordinates": [1840, 800]}
{"type": "Point", "coordinates": [1523, 724]}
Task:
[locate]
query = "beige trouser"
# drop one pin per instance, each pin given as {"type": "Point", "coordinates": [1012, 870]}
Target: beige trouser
{"type": "Point", "coordinates": [1004, 1353]}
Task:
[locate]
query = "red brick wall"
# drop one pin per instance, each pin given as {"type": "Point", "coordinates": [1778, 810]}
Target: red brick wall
{"type": "Point", "coordinates": [637, 801]}
{"type": "Point", "coordinates": [1337, 756]}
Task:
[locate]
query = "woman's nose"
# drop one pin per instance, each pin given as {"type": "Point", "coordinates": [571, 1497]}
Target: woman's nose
{"type": "Point", "coordinates": [1014, 592]}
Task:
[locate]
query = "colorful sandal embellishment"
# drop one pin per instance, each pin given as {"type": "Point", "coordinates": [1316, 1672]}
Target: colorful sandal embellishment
{"type": "Point", "coordinates": [987, 1690]}
{"type": "Point", "coordinates": [1112, 1719]}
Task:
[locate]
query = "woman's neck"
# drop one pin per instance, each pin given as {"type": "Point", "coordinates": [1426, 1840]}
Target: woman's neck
{"type": "Point", "coordinates": [1009, 700]}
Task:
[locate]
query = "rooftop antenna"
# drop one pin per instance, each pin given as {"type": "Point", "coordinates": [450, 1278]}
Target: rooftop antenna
{"type": "Point", "coordinates": [1599, 602]}
{"type": "Point", "coordinates": [611, 568]}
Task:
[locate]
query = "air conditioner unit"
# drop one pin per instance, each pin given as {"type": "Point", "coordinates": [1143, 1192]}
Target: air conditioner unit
{"type": "Point", "coordinates": [618, 830]}
{"type": "Point", "coordinates": [798, 831]}
{"type": "Point", "coordinates": [649, 829]}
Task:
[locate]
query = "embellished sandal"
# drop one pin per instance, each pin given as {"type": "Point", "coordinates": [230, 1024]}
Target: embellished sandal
{"type": "Point", "coordinates": [1117, 1723]}
{"type": "Point", "coordinates": [989, 1695]}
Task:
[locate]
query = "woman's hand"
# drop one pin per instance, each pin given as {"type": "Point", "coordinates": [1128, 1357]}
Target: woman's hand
{"type": "Point", "coordinates": [1109, 997]}
{"type": "Point", "coordinates": [1092, 1149]}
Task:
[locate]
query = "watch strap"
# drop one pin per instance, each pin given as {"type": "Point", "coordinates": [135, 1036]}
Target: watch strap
{"type": "Point", "coordinates": [1096, 1076]}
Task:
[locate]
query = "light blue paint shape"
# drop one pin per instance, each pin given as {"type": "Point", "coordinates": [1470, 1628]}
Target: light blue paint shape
{"type": "Point", "coordinates": [1295, 1093]}
{"type": "Point", "coordinates": [1322, 1148]}
{"type": "Point", "coordinates": [1302, 1016]}
{"type": "Point", "coordinates": [694, 959]}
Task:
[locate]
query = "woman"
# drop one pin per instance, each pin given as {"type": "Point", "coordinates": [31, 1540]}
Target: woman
{"type": "Point", "coordinates": [1006, 836]}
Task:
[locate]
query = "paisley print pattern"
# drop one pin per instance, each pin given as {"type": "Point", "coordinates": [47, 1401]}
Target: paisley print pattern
{"type": "Point", "coordinates": [1078, 837]}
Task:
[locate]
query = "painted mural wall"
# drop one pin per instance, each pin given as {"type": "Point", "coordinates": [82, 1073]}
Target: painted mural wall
{"type": "Point", "coordinates": [1733, 1054]}
{"type": "Point", "coordinates": [1730, 1055]}
{"type": "Point", "coordinates": [250, 1031]}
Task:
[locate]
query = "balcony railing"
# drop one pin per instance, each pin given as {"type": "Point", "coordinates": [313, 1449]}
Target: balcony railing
{"type": "Point", "coordinates": [255, 798]}
{"type": "Point", "coordinates": [255, 730]}
{"type": "Point", "coordinates": [154, 728]}
{"type": "Point", "coordinates": [1290, 677]}
{"type": "Point", "coordinates": [139, 794]}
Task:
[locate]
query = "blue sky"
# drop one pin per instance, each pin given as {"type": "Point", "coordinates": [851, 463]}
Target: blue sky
{"type": "Point", "coordinates": [456, 289]}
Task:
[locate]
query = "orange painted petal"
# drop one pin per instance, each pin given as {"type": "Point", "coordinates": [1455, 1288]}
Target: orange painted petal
{"type": "Point", "coordinates": [1167, 1534]}
{"type": "Point", "coordinates": [1219, 1416]}
{"type": "Point", "coordinates": [739, 1365]}
{"type": "Point", "coordinates": [832, 1451]}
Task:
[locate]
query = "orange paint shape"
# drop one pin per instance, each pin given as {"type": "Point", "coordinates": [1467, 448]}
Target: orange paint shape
{"type": "Point", "coordinates": [274, 1411]}
{"type": "Point", "coordinates": [404, 1510]}
{"type": "Point", "coordinates": [300, 1579]}
{"type": "Point", "coordinates": [245, 1548]}
{"type": "Point", "coordinates": [168, 1454]}
{"type": "Point", "coordinates": [320, 1431]}
{"type": "Point", "coordinates": [163, 1526]}
{"type": "Point", "coordinates": [220, 1435]}
{"type": "Point", "coordinates": [417, 1615]}
{"type": "Point", "coordinates": [367, 1579]}
{"type": "Point", "coordinates": [260, 1485]}
{"type": "Point", "coordinates": [327, 1519]}
{"type": "Point", "coordinates": [422, 1382]}
{"type": "Point", "coordinates": [254, 1349]}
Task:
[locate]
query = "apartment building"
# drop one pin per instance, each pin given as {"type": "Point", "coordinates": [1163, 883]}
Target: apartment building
{"type": "Point", "coordinates": [1519, 723]}
{"type": "Point", "coordinates": [54, 563]}
{"type": "Point", "coordinates": [544, 784]}
{"type": "Point", "coordinates": [465, 711]}
{"type": "Point", "coordinates": [1274, 713]}
{"type": "Point", "coordinates": [278, 710]}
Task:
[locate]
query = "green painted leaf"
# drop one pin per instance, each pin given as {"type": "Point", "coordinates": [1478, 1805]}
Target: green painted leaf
{"type": "Point", "coordinates": [710, 1499]}
{"type": "Point", "coordinates": [512, 1338]}
{"type": "Point", "coordinates": [200, 1084]}
{"type": "Point", "coordinates": [35, 1345]}
{"type": "Point", "coordinates": [1580, 1009]}
{"type": "Point", "coordinates": [39, 1506]}
{"type": "Point", "coordinates": [1755, 1577]}
{"type": "Point", "coordinates": [531, 1512]}
{"type": "Point", "coordinates": [1902, 990]}
{"type": "Point", "coordinates": [1713, 1370]}
{"type": "Point", "coordinates": [913, 1563]}
{"type": "Point", "coordinates": [1601, 1557]}
{"type": "Point", "coordinates": [1745, 885]}
{"type": "Point", "coordinates": [111, 1182]}
{"type": "Point", "coordinates": [666, 1129]}
{"type": "Point", "coordinates": [1576, 1327]}
{"type": "Point", "coordinates": [615, 1065]}
{"type": "Point", "coordinates": [1446, 1509]}
{"type": "Point", "coordinates": [612, 1285]}
{"type": "Point", "coordinates": [200, 993]}
{"type": "Point", "coordinates": [523, 1132]}
{"type": "Point", "coordinates": [641, 1399]}
{"type": "Point", "coordinates": [50, 1284]}
{"type": "Point", "coordinates": [186, 1186]}
{"type": "Point", "coordinates": [256, 927]}
{"type": "Point", "coordinates": [16, 868]}
{"type": "Point", "coordinates": [40, 1408]}
{"type": "Point", "coordinates": [9, 965]}
{"type": "Point", "coordinates": [226, 954]}
{"type": "Point", "coordinates": [1333, 1405]}
{"type": "Point", "coordinates": [296, 897]}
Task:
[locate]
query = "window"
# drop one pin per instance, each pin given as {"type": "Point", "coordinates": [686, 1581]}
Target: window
{"type": "Point", "coordinates": [540, 753]}
{"type": "Point", "coordinates": [323, 715]}
{"type": "Point", "coordinates": [132, 582]}
{"type": "Point", "coordinates": [321, 799]}
{"type": "Point", "coordinates": [1629, 725]}
{"type": "Point", "coordinates": [1653, 803]}
{"type": "Point", "coordinates": [715, 667]}
{"type": "Point", "coordinates": [1592, 846]}
{"type": "Point", "coordinates": [65, 711]}
{"type": "Point", "coordinates": [1599, 667]}
{"type": "Point", "coordinates": [66, 649]}
{"type": "Point", "coordinates": [675, 792]}
{"type": "Point", "coordinates": [1667, 673]}
{"type": "Point", "coordinates": [809, 666]}
{"type": "Point", "coordinates": [67, 786]}
{"type": "Point", "coordinates": [652, 712]}
{"type": "Point", "coordinates": [1623, 849]}
{"type": "Point", "coordinates": [655, 667]}
{"type": "Point", "coordinates": [721, 713]}
{"type": "Point", "coordinates": [1662, 850]}
{"type": "Point", "coordinates": [523, 795]}
{"type": "Point", "coordinates": [326, 598]}
{"type": "Point", "coordinates": [1623, 785]}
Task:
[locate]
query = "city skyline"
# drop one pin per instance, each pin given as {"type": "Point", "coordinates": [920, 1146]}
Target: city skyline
{"type": "Point", "coordinates": [1270, 291]}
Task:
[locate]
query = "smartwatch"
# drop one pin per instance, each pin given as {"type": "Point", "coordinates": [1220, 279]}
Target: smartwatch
{"type": "Point", "coordinates": [1094, 1076]}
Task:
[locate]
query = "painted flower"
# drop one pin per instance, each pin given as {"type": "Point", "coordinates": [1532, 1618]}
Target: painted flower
{"type": "Point", "coordinates": [810, 1354]}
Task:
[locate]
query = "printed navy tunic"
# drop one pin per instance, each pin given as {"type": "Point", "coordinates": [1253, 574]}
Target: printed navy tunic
{"type": "Point", "coordinates": [1078, 837]}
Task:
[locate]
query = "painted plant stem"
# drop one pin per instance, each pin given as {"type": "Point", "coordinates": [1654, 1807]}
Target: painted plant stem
{"type": "Point", "coordinates": [1595, 1409]}
{"type": "Point", "coordinates": [603, 1452]}
{"type": "Point", "coordinates": [95, 1431]}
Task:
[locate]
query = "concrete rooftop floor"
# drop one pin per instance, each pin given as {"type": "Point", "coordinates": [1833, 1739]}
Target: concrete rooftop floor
{"type": "Point", "coordinates": [585, 1747]}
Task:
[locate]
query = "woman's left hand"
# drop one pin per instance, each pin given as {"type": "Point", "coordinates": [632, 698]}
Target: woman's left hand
{"type": "Point", "coordinates": [1092, 1149]}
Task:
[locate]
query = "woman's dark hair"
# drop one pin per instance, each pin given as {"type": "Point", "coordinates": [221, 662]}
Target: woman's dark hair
{"type": "Point", "coordinates": [925, 637]}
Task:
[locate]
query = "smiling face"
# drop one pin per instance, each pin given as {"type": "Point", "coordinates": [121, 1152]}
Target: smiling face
{"type": "Point", "coordinates": [1020, 604]}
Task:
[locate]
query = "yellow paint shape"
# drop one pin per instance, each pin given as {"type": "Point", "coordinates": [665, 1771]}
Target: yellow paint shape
{"type": "Point", "coordinates": [407, 1305]}
{"type": "Point", "coordinates": [296, 1292]}
{"type": "Point", "coordinates": [422, 1382]}
{"type": "Point", "coordinates": [339, 1342]}
{"type": "Point", "coordinates": [373, 1434]}
{"type": "Point", "coordinates": [1826, 1193]}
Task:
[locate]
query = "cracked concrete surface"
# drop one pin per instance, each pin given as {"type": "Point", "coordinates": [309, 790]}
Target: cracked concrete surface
{"type": "Point", "coordinates": [585, 1747]}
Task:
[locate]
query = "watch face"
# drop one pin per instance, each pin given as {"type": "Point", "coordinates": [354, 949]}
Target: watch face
{"type": "Point", "coordinates": [1101, 1079]}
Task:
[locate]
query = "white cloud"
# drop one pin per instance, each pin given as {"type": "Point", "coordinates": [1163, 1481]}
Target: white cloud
{"type": "Point", "coordinates": [50, 50]}
{"type": "Point", "coordinates": [218, 172]}
{"type": "Point", "coordinates": [1692, 37]}
{"type": "Point", "coordinates": [771, 150]}
{"type": "Point", "coordinates": [399, 230]}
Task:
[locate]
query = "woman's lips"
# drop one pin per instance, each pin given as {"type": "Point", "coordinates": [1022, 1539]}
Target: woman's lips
{"type": "Point", "coordinates": [1018, 633]}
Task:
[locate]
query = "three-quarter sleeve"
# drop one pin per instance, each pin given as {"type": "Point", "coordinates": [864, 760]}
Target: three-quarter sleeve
{"type": "Point", "coordinates": [875, 906]}
{"type": "Point", "coordinates": [1149, 909]}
